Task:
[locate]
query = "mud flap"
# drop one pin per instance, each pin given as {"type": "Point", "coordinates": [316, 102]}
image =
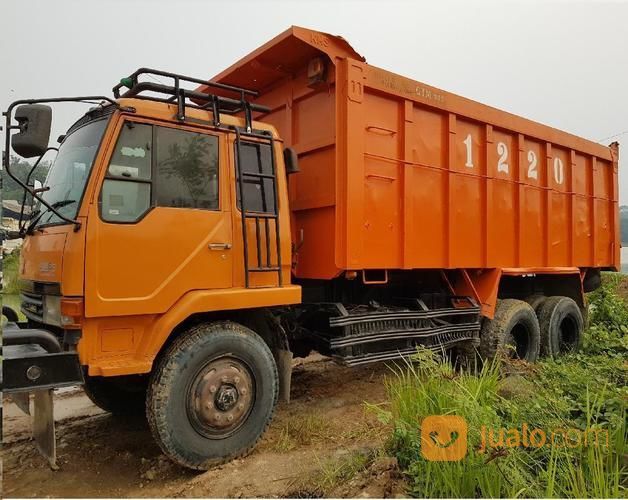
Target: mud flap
{"type": "Point", "coordinates": [22, 401]}
{"type": "Point", "coordinates": [44, 426]}
{"type": "Point", "coordinates": [283, 359]}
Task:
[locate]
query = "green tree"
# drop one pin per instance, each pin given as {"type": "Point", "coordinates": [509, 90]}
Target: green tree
{"type": "Point", "coordinates": [11, 190]}
{"type": "Point", "coordinates": [191, 162]}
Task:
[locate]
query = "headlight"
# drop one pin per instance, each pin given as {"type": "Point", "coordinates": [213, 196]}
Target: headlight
{"type": "Point", "coordinates": [52, 310]}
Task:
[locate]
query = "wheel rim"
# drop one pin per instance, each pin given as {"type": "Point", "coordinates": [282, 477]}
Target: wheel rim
{"type": "Point", "coordinates": [567, 334]}
{"type": "Point", "coordinates": [519, 338]}
{"type": "Point", "coordinates": [221, 397]}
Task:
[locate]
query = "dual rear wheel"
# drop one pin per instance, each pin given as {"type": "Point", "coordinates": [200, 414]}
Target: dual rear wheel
{"type": "Point", "coordinates": [539, 327]}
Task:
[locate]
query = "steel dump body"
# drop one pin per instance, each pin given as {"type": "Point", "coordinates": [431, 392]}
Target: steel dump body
{"type": "Point", "coordinates": [396, 174]}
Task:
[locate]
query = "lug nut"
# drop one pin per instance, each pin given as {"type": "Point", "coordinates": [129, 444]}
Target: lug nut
{"type": "Point", "coordinates": [212, 389]}
{"type": "Point", "coordinates": [230, 418]}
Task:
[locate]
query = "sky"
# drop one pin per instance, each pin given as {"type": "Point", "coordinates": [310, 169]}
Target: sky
{"type": "Point", "coordinates": [562, 63]}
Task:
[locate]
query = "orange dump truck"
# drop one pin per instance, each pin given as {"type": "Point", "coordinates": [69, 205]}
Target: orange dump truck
{"type": "Point", "coordinates": [193, 236]}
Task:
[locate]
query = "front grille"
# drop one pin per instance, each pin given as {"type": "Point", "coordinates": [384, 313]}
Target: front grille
{"type": "Point", "coordinates": [33, 306]}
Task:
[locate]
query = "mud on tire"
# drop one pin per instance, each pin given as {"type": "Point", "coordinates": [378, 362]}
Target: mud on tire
{"type": "Point", "coordinates": [515, 324]}
{"type": "Point", "coordinates": [212, 395]}
{"type": "Point", "coordinates": [562, 324]}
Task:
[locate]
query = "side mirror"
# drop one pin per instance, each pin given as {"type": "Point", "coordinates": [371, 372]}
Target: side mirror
{"type": "Point", "coordinates": [291, 160]}
{"type": "Point", "coordinates": [34, 121]}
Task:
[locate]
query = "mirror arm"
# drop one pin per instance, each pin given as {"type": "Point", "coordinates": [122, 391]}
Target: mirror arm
{"type": "Point", "coordinates": [6, 158]}
{"type": "Point", "coordinates": [50, 148]}
{"type": "Point", "coordinates": [7, 165]}
{"type": "Point", "coordinates": [28, 178]}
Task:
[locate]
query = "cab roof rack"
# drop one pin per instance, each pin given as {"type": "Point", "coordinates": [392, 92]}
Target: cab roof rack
{"type": "Point", "coordinates": [200, 100]}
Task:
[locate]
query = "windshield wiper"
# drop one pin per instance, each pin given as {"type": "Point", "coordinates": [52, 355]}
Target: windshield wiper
{"type": "Point", "coordinates": [40, 214]}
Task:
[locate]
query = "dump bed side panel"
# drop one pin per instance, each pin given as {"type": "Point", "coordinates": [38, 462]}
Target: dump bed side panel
{"type": "Point", "coordinates": [305, 118]}
{"type": "Point", "coordinates": [427, 179]}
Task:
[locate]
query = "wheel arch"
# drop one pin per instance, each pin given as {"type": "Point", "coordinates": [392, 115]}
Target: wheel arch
{"type": "Point", "coordinates": [262, 321]}
{"type": "Point", "coordinates": [522, 286]}
{"type": "Point", "coordinates": [486, 286]}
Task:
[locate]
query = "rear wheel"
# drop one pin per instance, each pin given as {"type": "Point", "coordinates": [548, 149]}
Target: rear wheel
{"type": "Point", "coordinates": [118, 395]}
{"type": "Point", "coordinates": [212, 395]}
{"type": "Point", "coordinates": [562, 325]}
{"type": "Point", "coordinates": [536, 302]}
{"type": "Point", "coordinates": [513, 332]}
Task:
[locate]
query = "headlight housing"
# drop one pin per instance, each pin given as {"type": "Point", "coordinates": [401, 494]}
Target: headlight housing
{"type": "Point", "coordinates": [52, 310]}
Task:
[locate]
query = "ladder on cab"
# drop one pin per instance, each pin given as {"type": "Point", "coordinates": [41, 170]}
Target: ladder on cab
{"type": "Point", "coordinates": [267, 214]}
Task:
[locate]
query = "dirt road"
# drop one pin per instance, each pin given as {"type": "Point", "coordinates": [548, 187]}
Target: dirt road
{"type": "Point", "coordinates": [323, 443]}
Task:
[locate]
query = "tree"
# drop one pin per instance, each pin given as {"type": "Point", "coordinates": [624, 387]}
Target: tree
{"type": "Point", "coordinates": [11, 190]}
{"type": "Point", "coordinates": [191, 162]}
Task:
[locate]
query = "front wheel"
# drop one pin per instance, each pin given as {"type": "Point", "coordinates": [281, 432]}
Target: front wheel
{"type": "Point", "coordinates": [212, 395]}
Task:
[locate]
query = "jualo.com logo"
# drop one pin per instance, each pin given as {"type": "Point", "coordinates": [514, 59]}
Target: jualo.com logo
{"type": "Point", "coordinates": [444, 438]}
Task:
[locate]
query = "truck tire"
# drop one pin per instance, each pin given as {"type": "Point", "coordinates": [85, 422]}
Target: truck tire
{"type": "Point", "coordinates": [536, 301]}
{"type": "Point", "coordinates": [212, 395]}
{"type": "Point", "coordinates": [515, 324]}
{"type": "Point", "coordinates": [562, 325]}
{"type": "Point", "coordinates": [117, 395]}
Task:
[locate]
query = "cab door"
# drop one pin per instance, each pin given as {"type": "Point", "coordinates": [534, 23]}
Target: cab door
{"type": "Point", "coordinates": [161, 225]}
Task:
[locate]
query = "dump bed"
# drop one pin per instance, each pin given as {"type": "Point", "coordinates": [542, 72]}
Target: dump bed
{"type": "Point", "coordinates": [396, 174]}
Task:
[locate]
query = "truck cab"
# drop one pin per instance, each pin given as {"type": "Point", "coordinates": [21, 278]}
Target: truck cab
{"type": "Point", "coordinates": [160, 228]}
{"type": "Point", "coordinates": [156, 215]}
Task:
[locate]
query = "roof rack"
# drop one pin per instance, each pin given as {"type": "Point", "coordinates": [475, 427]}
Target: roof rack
{"type": "Point", "coordinates": [218, 104]}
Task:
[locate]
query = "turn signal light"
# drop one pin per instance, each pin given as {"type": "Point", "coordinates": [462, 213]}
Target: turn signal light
{"type": "Point", "coordinates": [71, 313]}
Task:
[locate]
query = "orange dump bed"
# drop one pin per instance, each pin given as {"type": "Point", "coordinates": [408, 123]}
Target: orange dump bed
{"type": "Point", "coordinates": [396, 174]}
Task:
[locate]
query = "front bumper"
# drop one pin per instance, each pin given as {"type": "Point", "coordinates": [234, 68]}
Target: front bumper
{"type": "Point", "coordinates": [33, 362]}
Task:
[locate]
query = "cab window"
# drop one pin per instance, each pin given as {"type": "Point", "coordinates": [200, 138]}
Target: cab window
{"type": "Point", "coordinates": [259, 196]}
{"type": "Point", "coordinates": [155, 166]}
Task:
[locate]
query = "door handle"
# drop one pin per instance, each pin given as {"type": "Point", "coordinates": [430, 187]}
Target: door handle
{"type": "Point", "coordinates": [219, 246]}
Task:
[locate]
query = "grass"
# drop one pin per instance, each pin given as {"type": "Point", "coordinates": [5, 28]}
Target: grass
{"type": "Point", "coordinates": [584, 390]}
{"type": "Point", "coordinates": [302, 430]}
{"type": "Point", "coordinates": [333, 473]}
{"type": "Point", "coordinates": [10, 268]}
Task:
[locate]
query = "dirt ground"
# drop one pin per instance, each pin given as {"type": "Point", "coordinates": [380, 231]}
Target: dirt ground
{"type": "Point", "coordinates": [325, 442]}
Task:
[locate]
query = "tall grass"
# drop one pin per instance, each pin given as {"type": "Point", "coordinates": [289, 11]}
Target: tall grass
{"type": "Point", "coordinates": [585, 390]}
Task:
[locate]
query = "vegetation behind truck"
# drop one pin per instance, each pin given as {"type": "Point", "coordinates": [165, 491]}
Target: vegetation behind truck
{"type": "Point", "coordinates": [188, 242]}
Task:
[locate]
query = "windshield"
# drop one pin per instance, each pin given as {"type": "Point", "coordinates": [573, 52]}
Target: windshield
{"type": "Point", "coordinates": [68, 175]}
